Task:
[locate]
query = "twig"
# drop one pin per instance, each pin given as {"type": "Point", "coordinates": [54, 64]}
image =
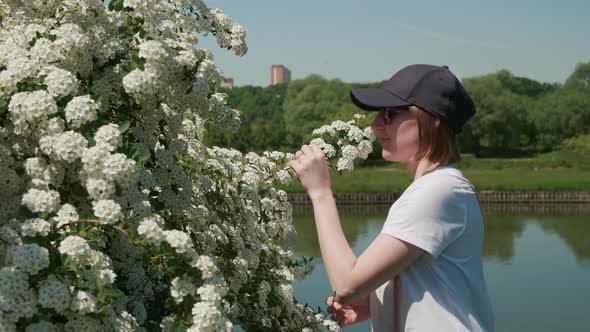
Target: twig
{"type": "Point", "coordinates": [87, 221]}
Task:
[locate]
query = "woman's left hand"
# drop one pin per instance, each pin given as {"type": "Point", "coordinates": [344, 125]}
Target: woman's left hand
{"type": "Point", "coordinates": [312, 169]}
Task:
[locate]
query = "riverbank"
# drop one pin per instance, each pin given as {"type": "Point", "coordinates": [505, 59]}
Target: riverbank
{"type": "Point", "coordinates": [489, 175]}
{"type": "Point", "coordinates": [485, 197]}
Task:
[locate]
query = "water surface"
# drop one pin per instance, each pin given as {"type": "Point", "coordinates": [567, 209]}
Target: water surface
{"type": "Point", "coordinates": [536, 264]}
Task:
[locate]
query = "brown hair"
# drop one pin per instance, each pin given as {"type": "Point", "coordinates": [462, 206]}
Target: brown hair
{"type": "Point", "coordinates": [437, 144]}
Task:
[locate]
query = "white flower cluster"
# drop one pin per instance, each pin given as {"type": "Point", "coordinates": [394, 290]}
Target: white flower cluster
{"type": "Point", "coordinates": [114, 215]}
{"type": "Point", "coordinates": [81, 110]}
{"type": "Point", "coordinates": [346, 141]}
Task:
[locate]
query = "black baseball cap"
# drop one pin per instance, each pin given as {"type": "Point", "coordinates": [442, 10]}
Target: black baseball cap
{"type": "Point", "coordinates": [432, 88]}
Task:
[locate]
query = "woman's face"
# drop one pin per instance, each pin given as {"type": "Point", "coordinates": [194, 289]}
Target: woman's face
{"type": "Point", "coordinates": [399, 138]}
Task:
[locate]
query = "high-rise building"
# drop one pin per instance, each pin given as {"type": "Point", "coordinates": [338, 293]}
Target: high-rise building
{"type": "Point", "coordinates": [279, 74]}
{"type": "Point", "coordinates": [228, 82]}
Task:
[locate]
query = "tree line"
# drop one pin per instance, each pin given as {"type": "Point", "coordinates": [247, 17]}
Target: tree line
{"type": "Point", "coordinates": [515, 115]}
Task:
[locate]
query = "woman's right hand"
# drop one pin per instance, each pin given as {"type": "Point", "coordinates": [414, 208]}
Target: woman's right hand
{"type": "Point", "coordinates": [350, 313]}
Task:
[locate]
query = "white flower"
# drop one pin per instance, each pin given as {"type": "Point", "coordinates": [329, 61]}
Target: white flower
{"type": "Point", "coordinates": [93, 158]}
{"type": "Point", "coordinates": [181, 287]}
{"type": "Point", "coordinates": [31, 258]}
{"type": "Point", "coordinates": [83, 302]}
{"type": "Point", "coordinates": [211, 293]}
{"type": "Point", "coordinates": [329, 150]}
{"type": "Point", "coordinates": [119, 167]}
{"type": "Point", "coordinates": [100, 188]}
{"type": "Point", "coordinates": [81, 110]}
{"type": "Point", "coordinates": [26, 108]}
{"type": "Point", "coordinates": [82, 323]}
{"type": "Point", "coordinates": [125, 323]}
{"type": "Point", "coordinates": [331, 325]}
{"type": "Point", "coordinates": [41, 200]}
{"type": "Point", "coordinates": [284, 176]}
{"type": "Point", "coordinates": [206, 317]}
{"type": "Point", "coordinates": [8, 83]}
{"type": "Point", "coordinates": [345, 164]}
{"type": "Point", "coordinates": [107, 211]}
{"type": "Point", "coordinates": [355, 134]}
{"type": "Point", "coordinates": [53, 294]}
{"type": "Point", "coordinates": [317, 141]}
{"type": "Point", "coordinates": [60, 82]}
{"type": "Point", "coordinates": [285, 291]}
{"type": "Point", "coordinates": [207, 266]}
{"type": "Point", "coordinates": [350, 152]}
{"type": "Point", "coordinates": [364, 148]}
{"type": "Point", "coordinates": [36, 167]}
{"type": "Point", "coordinates": [51, 127]}
{"type": "Point", "coordinates": [222, 21]}
{"type": "Point", "coordinates": [22, 67]}
{"type": "Point", "coordinates": [152, 51]}
{"type": "Point", "coordinates": [35, 227]}
{"type": "Point", "coordinates": [108, 137]}
{"type": "Point", "coordinates": [238, 40]}
{"type": "Point", "coordinates": [370, 134]}
{"type": "Point", "coordinates": [68, 146]}
{"type": "Point", "coordinates": [150, 229]}
{"type": "Point", "coordinates": [18, 300]}
{"type": "Point", "coordinates": [251, 178]}
{"type": "Point", "coordinates": [141, 82]}
{"type": "Point", "coordinates": [178, 240]}
{"type": "Point", "coordinates": [67, 213]}
{"type": "Point", "coordinates": [74, 246]}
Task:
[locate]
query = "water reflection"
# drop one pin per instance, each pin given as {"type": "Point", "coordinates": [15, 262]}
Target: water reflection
{"type": "Point", "coordinates": [537, 264]}
{"type": "Point", "coordinates": [501, 228]}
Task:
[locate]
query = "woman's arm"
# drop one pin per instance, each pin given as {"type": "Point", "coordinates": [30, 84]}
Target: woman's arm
{"type": "Point", "coordinates": [351, 277]}
{"type": "Point", "coordinates": [354, 278]}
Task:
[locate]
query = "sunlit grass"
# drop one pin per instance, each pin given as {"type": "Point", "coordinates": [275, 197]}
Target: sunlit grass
{"type": "Point", "coordinates": [556, 171]}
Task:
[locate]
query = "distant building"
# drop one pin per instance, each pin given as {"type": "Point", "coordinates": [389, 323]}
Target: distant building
{"type": "Point", "coordinates": [279, 74]}
{"type": "Point", "coordinates": [228, 82]}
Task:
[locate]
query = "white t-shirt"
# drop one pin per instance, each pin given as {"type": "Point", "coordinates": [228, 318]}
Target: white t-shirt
{"type": "Point", "coordinates": [444, 290]}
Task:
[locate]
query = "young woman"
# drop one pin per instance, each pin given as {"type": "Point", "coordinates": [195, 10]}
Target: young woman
{"type": "Point", "coordinates": [423, 272]}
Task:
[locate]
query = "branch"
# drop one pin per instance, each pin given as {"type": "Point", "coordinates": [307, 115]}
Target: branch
{"type": "Point", "coordinates": [86, 221]}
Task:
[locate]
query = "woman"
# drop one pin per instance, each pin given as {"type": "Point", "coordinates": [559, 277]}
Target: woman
{"type": "Point", "coordinates": [423, 272]}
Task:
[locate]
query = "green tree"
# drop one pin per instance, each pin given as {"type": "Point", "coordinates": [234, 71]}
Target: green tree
{"type": "Point", "coordinates": [501, 121]}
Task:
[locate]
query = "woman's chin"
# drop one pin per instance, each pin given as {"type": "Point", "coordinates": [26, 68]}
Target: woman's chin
{"type": "Point", "coordinates": [386, 155]}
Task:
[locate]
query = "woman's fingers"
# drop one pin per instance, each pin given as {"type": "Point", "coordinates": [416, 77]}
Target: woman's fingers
{"type": "Point", "coordinates": [295, 164]}
{"type": "Point", "coordinates": [306, 149]}
{"type": "Point", "coordinates": [317, 151]}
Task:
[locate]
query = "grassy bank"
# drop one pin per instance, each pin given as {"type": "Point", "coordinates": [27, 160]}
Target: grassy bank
{"type": "Point", "coordinates": [555, 171]}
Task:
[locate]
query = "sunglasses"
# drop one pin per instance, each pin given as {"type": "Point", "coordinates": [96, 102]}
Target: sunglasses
{"type": "Point", "coordinates": [389, 113]}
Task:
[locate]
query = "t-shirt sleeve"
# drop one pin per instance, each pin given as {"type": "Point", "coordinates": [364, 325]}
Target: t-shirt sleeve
{"type": "Point", "coordinates": [428, 215]}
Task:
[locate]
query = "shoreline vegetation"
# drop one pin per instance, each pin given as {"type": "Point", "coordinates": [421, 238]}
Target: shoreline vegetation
{"type": "Point", "coordinates": [558, 171]}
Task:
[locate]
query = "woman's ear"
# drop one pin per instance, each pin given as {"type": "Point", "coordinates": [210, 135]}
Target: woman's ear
{"type": "Point", "coordinates": [437, 123]}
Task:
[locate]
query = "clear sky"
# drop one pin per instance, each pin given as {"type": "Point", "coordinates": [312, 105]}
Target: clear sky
{"type": "Point", "coordinates": [368, 41]}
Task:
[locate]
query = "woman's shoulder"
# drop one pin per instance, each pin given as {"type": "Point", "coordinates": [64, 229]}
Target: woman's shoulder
{"type": "Point", "coordinates": [445, 182]}
{"type": "Point", "coordinates": [442, 176]}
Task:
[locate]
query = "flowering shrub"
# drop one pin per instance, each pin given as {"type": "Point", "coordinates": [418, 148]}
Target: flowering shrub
{"type": "Point", "coordinates": [113, 214]}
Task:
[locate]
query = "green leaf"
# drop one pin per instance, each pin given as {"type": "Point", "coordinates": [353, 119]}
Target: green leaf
{"type": "Point", "coordinates": [63, 101]}
{"type": "Point", "coordinates": [116, 5]}
{"type": "Point", "coordinates": [3, 103]}
{"type": "Point", "coordinates": [124, 126]}
{"type": "Point", "coordinates": [145, 156]}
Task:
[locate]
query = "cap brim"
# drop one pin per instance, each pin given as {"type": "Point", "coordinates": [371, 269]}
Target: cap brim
{"type": "Point", "coordinates": [374, 99]}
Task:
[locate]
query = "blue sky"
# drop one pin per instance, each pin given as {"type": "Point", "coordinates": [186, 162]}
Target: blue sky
{"type": "Point", "coordinates": [368, 41]}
